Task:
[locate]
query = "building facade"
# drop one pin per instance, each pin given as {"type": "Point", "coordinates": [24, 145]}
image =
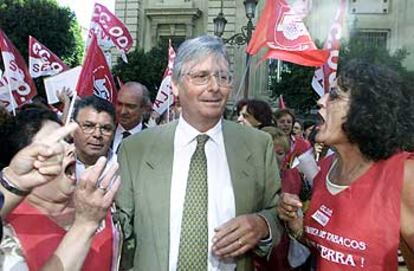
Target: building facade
{"type": "Point", "coordinates": [387, 23]}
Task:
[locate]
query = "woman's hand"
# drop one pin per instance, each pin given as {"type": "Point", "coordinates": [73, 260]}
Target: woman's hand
{"type": "Point", "coordinates": [289, 211]}
{"type": "Point", "coordinates": [95, 193]}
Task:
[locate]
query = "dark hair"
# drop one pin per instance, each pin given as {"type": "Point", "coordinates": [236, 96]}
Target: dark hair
{"type": "Point", "coordinates": [380, 119]}
{"type": "Point", "coordinates": [261, 111]}
{"type": "Point", "coordinates": [99, 104]}
{"type": "Point", "coordinates": [6, 126]}
{"type": "Point", "coordinates": [240, 104]}
{"type": "Point", "coordinates": [308, 123]}
{"type": "Point", "coordinates": [25, 126]}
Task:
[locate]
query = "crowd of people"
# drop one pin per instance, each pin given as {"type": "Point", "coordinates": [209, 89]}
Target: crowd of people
{"type": "Point", "coordinates": [265, 191]}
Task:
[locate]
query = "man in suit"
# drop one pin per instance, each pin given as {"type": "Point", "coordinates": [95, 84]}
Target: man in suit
{"type": "Point", "coordinates": [132, 102]}
{"type": "Point", "coordinates": [199, 193]}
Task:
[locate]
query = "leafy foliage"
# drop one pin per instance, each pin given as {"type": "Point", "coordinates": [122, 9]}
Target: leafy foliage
{"type": "Point", "coordinates": [54, 26]}
{"type": "Point", "coordinates": [144, 67]}
{"type": "Point", "coordinates": [295, 83]}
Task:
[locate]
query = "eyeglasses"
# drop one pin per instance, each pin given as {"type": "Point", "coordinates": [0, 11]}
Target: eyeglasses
{"type": "Point", "coordinates": [90, 127]}
{"type": "Point", "coordinates": [200, 78]}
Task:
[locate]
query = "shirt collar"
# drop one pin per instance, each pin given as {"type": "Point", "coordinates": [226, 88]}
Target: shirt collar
{"type": "Point", "coordinates": [134, 130]}
{"type": "Point", "coordinates": [187, 133]}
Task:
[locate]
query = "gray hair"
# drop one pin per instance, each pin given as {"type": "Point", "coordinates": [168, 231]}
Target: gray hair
{"type": "Point", "coordinates": [196, 49]}
{"type": "Point", "coordinates": [145, 99]}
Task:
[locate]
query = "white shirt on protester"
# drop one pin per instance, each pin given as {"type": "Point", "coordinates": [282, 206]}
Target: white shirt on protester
{"type": "Point", "coordinates": [81, 167]}
{"type": "Point", "coordinates": [221, 202]}
{"type": "Point", "coordinates": [118, 134]}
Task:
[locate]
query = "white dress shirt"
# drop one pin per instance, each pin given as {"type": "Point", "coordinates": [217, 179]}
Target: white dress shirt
{"type": "Point", "coordinates": [81, 167]}
{"type": "Point", "coordinates": [118, 134]}
{"type": "Point", "coordinates": [221, 202]}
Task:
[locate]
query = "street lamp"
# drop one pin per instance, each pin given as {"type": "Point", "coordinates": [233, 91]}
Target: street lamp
{"type": "Point", "coordinates": [239, 38]}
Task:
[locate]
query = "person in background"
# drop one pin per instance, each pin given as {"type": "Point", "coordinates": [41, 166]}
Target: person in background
{"type": "Point", "coordinates": [54, 227]}
{"type": "Point", "coordinates": [96, 119]}
{"type": "Point", "coordinates": [364, 193]}
{"type": "Point", "coordinates": [254, 113]}
{"type": "Point", "coordinates": [297, 129]}
{"type": "Point", "coordinates": [6, 120]}
{"type": "Point", "coordinates": [132, 101]}
{"type": "Point", "coordinates": [308, 126]}
{"type": "Point", "coordinates": [199, 193]}
{"type": "Point", "coordinates": [285, 118]}
{"type": "Point", "coordinates": [281, 144]}
{"type": "Point", "coordinates": [292, 182]}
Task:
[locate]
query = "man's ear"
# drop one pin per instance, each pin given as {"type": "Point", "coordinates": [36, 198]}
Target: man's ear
{"type": "Point", "coordinates": [174, 88]}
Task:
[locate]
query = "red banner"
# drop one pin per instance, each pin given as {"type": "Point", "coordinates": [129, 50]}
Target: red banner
{"type": "Point", "coordinates": [281, 102]}
{"type": "Point", "coordinates": [16, 77]}
{"type": "Point", "coordinates": [326, 75]}
{"type": "Point", "coordinates": [42, 62]}
{"type": "Point", "coordinates": [109, 30]}
{"type": "Point", "coordinates": [165, 95]}
{"type": "Point", "coordinates": [285, 35]}
{"type": "Point", "coordinates": [95, 77]}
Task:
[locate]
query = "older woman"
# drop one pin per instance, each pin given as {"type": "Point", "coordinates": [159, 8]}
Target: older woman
{"type": "Point", "coordinates": [363, 197]}
{"type": "Point", "coordinates": [62, 224]}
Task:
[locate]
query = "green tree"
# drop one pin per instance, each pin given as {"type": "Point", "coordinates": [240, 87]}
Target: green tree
{"type": "Point", "coordinates": [54, 26]}
{"type": "Point", "coordinates": [295, 83]}
{"type": "Point", "coordinates": [146, 68]}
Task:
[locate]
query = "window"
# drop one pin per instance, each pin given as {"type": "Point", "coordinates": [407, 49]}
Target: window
{"type": "Point", "coordinates": [372, 38]}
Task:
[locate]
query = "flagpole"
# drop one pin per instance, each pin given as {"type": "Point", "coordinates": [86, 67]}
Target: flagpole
{"type": "Point", "coordinates": [243, 79]}
{"type": "Point", "coordinates": [11, 96]}
{"type": "Point", "coordinates": [72, 104]}
{"type": "Point", "coordinates": [168, 108]}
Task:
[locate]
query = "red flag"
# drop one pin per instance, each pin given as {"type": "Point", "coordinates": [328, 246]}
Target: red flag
{"type": "Point", "coordinates": [281, 102]}
{"type": "Point", "coordinates": [326, 75]}
{"type": "Point", "coordinates": [42, 62]}
{"type": "Point", "coordinates": [95, 77]}
{"type": "Point", "coordinates": [16, 77]}
{"type": "Point", "coordinates": [110, 30]}
{"type": "Point", "coordinates": [285, 35]}
{"type": "Point", "coordinates": [165, 95]}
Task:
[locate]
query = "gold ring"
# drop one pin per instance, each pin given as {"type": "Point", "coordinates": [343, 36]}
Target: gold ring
{"type": "Point", "coordinates": [103, 189]}
{"type": "Point", "coordinates": [240, 242]}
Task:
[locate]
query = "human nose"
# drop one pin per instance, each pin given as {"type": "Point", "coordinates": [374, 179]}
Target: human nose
{"type": "Point", "coordinates": [97, 131]}
{"type": "Point", "coordinates": [213, 83]}
{"type": "Point", "coordinates": [70, 149]}
{"type": "Point", "coordinates": [240, 118]}
{"type": "Point", "coordinates": [322, 101]}
{"type": "Point", "coordinates": [123, 110]}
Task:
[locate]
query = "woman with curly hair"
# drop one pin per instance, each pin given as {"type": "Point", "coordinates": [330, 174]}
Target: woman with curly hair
{"type": "Point", "coordinates": [363, 196]}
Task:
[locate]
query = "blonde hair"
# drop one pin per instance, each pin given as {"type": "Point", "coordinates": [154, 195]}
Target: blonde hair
{"type": "Point", "coordinates": [278, 137]}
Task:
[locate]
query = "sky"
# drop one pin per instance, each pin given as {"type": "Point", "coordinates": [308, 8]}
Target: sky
{"type": "Point", "coordinates": [83, 8]}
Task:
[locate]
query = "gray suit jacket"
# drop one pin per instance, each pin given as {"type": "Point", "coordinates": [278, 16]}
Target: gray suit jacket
{"type": "Point", "coordinates": [144, 198]}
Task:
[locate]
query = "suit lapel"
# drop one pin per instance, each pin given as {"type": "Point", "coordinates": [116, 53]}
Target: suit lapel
{"type": "Point", "coordinates": [158, 185]}
{"type": "Point", "coordinates": [241, 171]}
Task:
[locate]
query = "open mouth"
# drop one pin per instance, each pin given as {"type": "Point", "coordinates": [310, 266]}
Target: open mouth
{"type": "Point", "coordinates": [320, 120]}
{"type": "Point", "coordinates": [70, 170]}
